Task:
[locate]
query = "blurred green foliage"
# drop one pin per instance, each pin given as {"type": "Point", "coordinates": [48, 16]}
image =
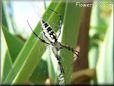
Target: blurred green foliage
{"type": "Point", "coordinates": [30, 62]}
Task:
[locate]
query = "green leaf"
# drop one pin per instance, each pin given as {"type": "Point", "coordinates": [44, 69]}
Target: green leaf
{"type": "Point", "coordinates": [51, 70]}
{"type": "Point", "coordinates": [7, 65]}
{"type": "Point", "coordinates": [71, 25]}
{"type": "Point", "coordinates": [105, 62]}
{"type": "Point", "coordinates": [13, 43]}
{"type": "Point", "coordinates": [40, 73]}
{"type": "Point", "coordinates": [100, 55]}
{"type": "Point", "coordinates": [5, 59]}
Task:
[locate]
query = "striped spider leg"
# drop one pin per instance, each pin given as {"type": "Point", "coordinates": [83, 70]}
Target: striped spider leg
{"type": "Point", "coordinates": [42, 40]}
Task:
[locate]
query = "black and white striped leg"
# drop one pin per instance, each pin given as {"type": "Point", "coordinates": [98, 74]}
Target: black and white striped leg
{"type": "Point", "coordinates": [61, 79]}
{"type": "Point", "coordinates": [60, 26]}
{"type": "Point", "coordinates": [70, 49]}
{"type": "Point", "coordinates": [42, 40]}
{"type": "Point", "coordinates": [60, 22]}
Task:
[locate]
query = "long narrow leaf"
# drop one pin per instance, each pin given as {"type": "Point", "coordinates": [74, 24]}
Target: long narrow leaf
{"type": "Point", "coordinates": [6, 61]}
{"type": "Point", "coordinates": [7, 65]}
{"type": "Point", "coordinates": [12, 43]}
{"type": "Point", "coordinates": [69, 36]}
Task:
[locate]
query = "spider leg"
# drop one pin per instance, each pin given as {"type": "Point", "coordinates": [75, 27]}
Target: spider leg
{"type": "Point", "coordinates": [42, 40]}
{"type": "Point", "coordinates": [70, 49]}
{"type": "Point", "coordinates": [60, 22]}
{"type": "Point", "coordinates": [60, 26]}
{"type": "Point", "coordinates": [61, 79]}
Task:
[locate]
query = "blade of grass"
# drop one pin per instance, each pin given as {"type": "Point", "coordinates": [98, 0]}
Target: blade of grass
{"type": "Point", "coordinates": [6, 61]}
{"type": "Point", "coordinates": [4, 22]}
{"type": "Point", "coordinates": [69, 36]}
{"type": "Point", "coordinates": [104, 67]}
{"type": "Point", "coordinates": [99, 28]}
{"type": "Point", "coordinates": [109, 71]}
{"type": "Point", "coordinates": [12, 42]}
{"type": "Point", "coordinates": [7, 65]}
{"type": "Point", "coordinates": [51, 70]}
{"type": "Point", "coordinates": [40, 73]}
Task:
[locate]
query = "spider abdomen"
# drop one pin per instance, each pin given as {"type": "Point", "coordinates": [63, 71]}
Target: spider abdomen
{"type": "Point", "coordinates": [48, 33]}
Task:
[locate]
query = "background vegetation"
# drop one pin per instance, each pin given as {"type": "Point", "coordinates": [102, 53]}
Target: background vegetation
{"type": "Point", "coordinates": [25, 60]}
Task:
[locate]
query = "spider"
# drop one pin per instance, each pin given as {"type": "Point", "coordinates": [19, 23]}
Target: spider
{"type": "Point", "coordinates": [53, 41]}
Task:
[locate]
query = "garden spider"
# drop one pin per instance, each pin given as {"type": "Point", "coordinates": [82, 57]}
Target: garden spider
{"type": "Point", "coordinates": [53, 41]}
